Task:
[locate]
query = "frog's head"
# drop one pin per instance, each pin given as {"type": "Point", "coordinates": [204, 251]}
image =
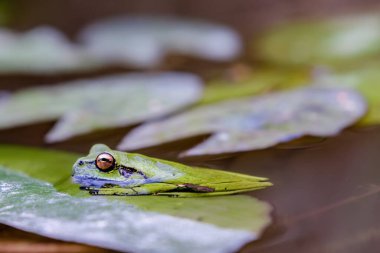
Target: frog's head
{"type": "Point", "coordinates": [98, 168]}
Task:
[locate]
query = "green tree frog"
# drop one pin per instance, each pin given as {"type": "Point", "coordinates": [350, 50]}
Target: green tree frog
{"type": "Point", "coordinates": [108, 172]}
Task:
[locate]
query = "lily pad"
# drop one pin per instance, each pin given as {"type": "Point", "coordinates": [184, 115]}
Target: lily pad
{"type": "Point", "coordinates": [57, 208]}
{"type": "Point", "coordinates": [144, 41]}
{"type": "Point", "coordinates": [364, 79]}
{"type": "Point", "coordinates": [41, 50]}
{"type": "Point", "coordinates": [35, 206]}
{"type": "Point", "coordinates": [255, 123]}
{"type": "Point", "coordinates": [89, 105]}
{"type": "Point", "coordinates": [313, 42]}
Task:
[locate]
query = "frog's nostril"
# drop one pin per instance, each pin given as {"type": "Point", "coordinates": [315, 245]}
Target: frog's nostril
{"type": "Point", "coordinates": [81, 163]}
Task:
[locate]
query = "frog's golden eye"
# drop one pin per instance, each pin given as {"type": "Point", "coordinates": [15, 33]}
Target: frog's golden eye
{"type": "Point", "coordinates": [105, 162]}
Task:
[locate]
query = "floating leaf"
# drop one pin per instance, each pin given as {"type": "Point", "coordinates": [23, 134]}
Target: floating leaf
{"type": "Point", "coordinates": [366, 80]}
{"type": "Point", "coordinates": [255, 123]}
{"type": "Point", "coordinates": [144, 41]}
{"type": "Point", "coordinates": [41, 50]}
{"type": "Point", "coordinates": [88, 105]}
{"type": "Point", "coordinates": [36, 207]}
{"type": "Point", "coordinates": [218, 224]}
{"type": "Point", "coordinates": [335, 41]}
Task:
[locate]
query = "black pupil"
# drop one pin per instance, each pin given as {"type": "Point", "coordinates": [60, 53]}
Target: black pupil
{"type": "Point", "coordinates": [105, 160]}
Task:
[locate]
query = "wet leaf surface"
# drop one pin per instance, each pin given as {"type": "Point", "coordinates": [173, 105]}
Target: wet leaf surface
{"type": "Point", "coordinates": [36, 206]}
{"type": "Point", "coordinates": [12, 239]}
{"type": "Point", "coordinates": [255, 123]}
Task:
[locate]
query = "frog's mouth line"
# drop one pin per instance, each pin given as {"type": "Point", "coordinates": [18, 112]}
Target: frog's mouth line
{"type": "Point", "coordinates": [98, 182]}
{"type": "Point", "coordinates": [94, 182]}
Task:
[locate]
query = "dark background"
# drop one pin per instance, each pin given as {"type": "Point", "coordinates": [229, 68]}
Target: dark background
{"type": "Point", "coordinates": [244, 15]}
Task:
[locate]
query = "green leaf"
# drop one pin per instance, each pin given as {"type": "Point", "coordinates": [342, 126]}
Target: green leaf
{"type": "Point", "coordinates": [255, 123]}
{"type": "Point", "coordinates": [56, 208]}
{"type": "Point", "coordinates": [36, 207]}
{"type": "Point", "coordinates": [337, 41]}
{"type": "Point", "coordinates": [89, 105]}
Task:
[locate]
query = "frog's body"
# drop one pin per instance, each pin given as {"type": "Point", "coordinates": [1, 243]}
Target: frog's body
{"type": "Point", "coordinates": [135, 174]}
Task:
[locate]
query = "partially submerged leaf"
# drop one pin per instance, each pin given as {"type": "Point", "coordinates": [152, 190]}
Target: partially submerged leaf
{"type": "Point", "coordinates": [41, 50]}
{"type": "Point", "coordinates": [88, 105]}
{"type": "Point", "coordinates": [255, 123]}
{"type": "Point", "coordinates": [143, 41]}
{"type": "Point", "coordinates": [125, 223]}
{"type": "Point", "coordinates": [334, 41]}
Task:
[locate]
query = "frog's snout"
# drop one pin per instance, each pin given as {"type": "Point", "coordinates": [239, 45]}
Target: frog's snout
{"type": "Point", "coordinates": [78, 167]}
{"type": "Point", "coordinates": [80, 171]}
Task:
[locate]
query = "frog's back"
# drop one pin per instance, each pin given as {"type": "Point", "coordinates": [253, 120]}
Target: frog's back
{"type": "Point", "coordinates": [196, 178]}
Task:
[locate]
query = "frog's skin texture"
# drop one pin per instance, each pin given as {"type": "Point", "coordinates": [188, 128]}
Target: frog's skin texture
{"type": "Point", "coordinates": [135, 174]}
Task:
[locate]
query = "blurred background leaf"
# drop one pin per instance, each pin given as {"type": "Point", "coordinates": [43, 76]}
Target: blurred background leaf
{"type": "Point", "coordinates": [42, 50]}
{"type": "Point", "coordinates": [255, 123]}
{"type": "Point", "coordinates": [144, 41]}
{"type": "Point", "coordinates": [365, 79]}
{"type": "Point", "coordinates": [335, 41]}
{"type": "Point", "coordinates": [88, 105]}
